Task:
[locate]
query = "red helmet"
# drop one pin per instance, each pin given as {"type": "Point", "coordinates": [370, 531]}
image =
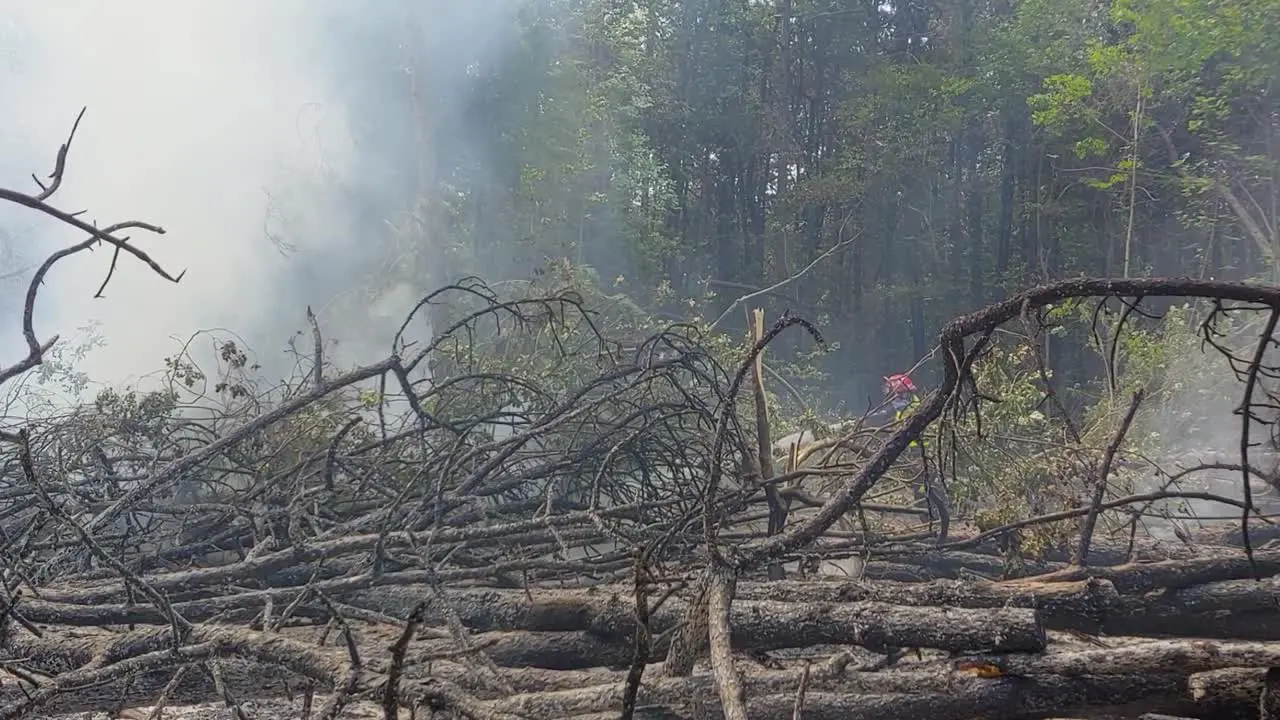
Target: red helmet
{"type": "Point", "coordinates": [899, 383]}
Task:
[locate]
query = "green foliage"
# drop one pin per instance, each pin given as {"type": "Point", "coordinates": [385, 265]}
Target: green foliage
{"type": "Point", "coordinates": [1012, 457]}
{"type": "Point", "coordinates": [1022, 458]}
{"type": "Point", "coordinates": [1062, 100]}
{"type": "Point", "coordinates": [148, 414]}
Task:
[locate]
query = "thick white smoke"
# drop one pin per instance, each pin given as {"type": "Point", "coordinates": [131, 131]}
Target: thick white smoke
{"type": "Point", "coordinates": [228, 124]}
{"type": "Point", "coordinates": [212, 119]}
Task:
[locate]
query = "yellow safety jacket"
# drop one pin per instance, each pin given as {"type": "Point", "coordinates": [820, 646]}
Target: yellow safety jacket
{"type": "Point", "coordinates": [901, 416]}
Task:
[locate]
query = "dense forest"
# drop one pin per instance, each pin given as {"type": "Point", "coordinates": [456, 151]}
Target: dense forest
{"type": "Point", "coordinates": [934, 154]}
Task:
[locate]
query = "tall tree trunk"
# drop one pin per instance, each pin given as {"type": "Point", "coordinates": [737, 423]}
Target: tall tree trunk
{"type": "Point", "coordinates": [955, 214]}
{"type": "Point", "coordinates": [1008, 176]}
{"type": "Point", "coordinates": [974, 201]}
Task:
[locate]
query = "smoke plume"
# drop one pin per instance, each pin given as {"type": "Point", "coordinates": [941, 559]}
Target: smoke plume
{"type": "Point", "coordinates": [241, 129]}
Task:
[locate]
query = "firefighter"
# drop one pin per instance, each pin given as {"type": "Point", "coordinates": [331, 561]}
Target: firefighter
{"type": "Point", "coordinates": [904, 401]}
{"type": "Point", "coordinates": [902, 395]}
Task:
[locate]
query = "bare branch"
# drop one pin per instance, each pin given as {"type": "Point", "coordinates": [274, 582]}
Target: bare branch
{"type": "Point", "coordinates": [751, 297]}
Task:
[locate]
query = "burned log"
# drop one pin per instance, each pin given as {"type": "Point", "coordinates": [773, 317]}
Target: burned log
{"type": "Point", "coordinates": [761, 625]}
{"type": "Point", "coordinates": [1239, 609]}
{"type": "Point", "coordinates": [1147, 677]}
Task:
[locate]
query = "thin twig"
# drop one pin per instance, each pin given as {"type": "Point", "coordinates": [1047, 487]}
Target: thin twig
{"type": "Point", "coordinates": [749, 297]}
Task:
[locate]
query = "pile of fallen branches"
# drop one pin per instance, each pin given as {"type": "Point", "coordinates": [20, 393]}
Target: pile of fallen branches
{"type": "Point", "coordinates": [486, 543]}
